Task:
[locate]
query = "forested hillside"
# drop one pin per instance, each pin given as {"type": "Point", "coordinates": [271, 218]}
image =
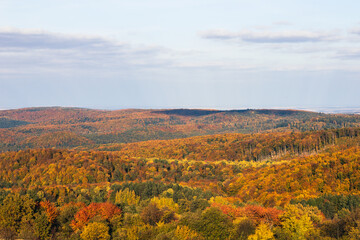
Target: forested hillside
{"type": "Point", "coordinates": [201, 174]}
{"type": "Point", "coordinates": [71, 127]}
{"type": "Point", "coordinates": [309, 180]}
{"type": "Point", "coordinates": [236, 146]}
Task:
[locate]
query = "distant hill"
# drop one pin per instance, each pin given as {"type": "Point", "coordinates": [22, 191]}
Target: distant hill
{"type": "Point", "coordinates": [25, 128]}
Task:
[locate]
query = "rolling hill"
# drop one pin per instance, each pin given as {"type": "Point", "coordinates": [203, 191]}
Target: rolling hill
{"type": "Point", "coordinates": [72, 127]}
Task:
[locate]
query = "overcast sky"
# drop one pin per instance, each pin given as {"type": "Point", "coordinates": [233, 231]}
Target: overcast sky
{"type": "Point", "coordinates": [180, 53]}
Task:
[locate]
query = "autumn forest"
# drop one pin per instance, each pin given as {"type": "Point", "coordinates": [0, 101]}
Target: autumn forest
{"type": "Point", "coordinates": [182, 174]}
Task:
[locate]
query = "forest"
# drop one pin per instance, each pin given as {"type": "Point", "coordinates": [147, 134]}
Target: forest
{"type": "Point", "coordinates": [74, 127]}
{"type": "Point", "coordinates": [179, 174]}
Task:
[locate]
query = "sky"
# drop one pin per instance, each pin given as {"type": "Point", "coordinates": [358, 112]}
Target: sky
{"type": "Point", "coordinates": [222, 54]}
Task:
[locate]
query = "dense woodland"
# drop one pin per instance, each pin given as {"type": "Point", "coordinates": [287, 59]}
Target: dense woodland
{"type": "Point", "coordinates": [251, 174]}
{"type": "Point", "coordinates": [73, 127]}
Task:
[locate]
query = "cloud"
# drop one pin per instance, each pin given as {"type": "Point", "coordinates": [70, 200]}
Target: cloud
{"type": "Point", "coordinates": [348, 54]}
{"type": "Point", "coordinates": [268, 37]}
{"type": "Point", "coordinates": [26, 51]}
{"type": "Point", "coordinates": [36, 53]}
{"type": "Point", "coordinates": [355, 31]}
{"type": "Point", "coordinates": [44, 40]}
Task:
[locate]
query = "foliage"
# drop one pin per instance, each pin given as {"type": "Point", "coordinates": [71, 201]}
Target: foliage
{"type": "Point", "coordinates": [163, 202]}
{"type": "Point", "coordinates": [211, 224]}
{"type": "Point", "coordinates": [151, 214]}
{"type": "Point", "coordinates": [50, 210]}
{"type": "Point", "coordinates": [335, 172]}
{"type": "Point", "coordinates": [15, 211]}
{"type": "Point", "coordinates": [41, 226]}
{"type": "Point", "coordinates": [185, 233]}
{"type": "Point", "coordinates": [103, 211]}
{"type": "Point", "coordinates": [331, 204]}
{"type": "Point", "coordinates": [126, 197]}
{"type": "Point", "coordinates": [262, 232]}
{"type": "Point", "coordinates": [95, 231]}
{"type": "Point", "coordinates": [299, 222]}
{"type": "Point", "coordinates": [282, 185]}
{"type": "Point", "coordinates": [71, 127]}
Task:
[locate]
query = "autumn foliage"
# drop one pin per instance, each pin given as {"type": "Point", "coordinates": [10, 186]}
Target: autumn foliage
{"type": "Point", "coordinates": [105, 211]}
{"type": "Point", "coordinates": [50, 210]}
{"type": "Point", "coordinates": [75, 174]}
{"type": "Point", "coordinates": [75, 127]}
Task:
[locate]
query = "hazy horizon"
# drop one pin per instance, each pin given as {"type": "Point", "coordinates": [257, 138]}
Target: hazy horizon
{"type": "Point", "coordinates": [334, 110]}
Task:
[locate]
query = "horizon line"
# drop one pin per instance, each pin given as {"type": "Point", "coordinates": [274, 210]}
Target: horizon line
{"type": "Point", "coordinates": [330, 109]}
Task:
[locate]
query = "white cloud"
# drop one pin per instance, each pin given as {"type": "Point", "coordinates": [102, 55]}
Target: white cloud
{"type": "Point", "coordinates": [355, 31]}
{"type": "Point", "coordinates": [349, 54]}
{"type": "Point", "coordinates": [37, 39]}
{"type": "Point", "coordinates": [26, 51]}
{"type": "Point", "coordinates": [36, 52]}
{"type": "Point", "coordinates": [268, 36]}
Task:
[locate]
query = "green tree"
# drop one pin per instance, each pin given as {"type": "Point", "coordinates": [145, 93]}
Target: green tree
{"type": "Point", "coordinates": [243, 229]}
{"type": "Point", "coordinates": [14, 211]}
{"type": "Point", "coordinates": [214, 224]}
{"type": "Point", "coordinates": [41, 226]}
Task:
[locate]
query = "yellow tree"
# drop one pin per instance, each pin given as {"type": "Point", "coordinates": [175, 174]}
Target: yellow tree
{"type": "Point", "coordinates": [298, 221]}
{"type": "Point", "coordinates": [163, 202]}
{"type": "Point", "coordinates": [126, 197]}
{"type": "Point", "coordinates": [262, 232]}
{"type": "Point", "coordinates": [185, 233]}
{"type": "Point", "coordinates": [95, 231]}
